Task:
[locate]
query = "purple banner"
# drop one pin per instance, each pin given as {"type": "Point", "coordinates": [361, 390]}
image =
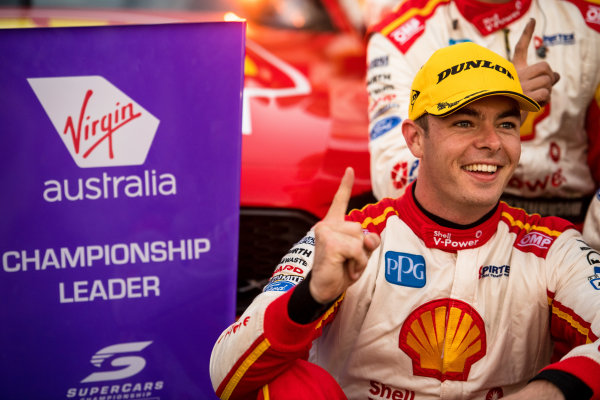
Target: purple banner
{"type": "Point", "coordinates": [120, 168]}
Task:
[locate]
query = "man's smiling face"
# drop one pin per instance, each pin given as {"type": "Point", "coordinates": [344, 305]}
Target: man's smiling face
{"type": "Point", "coordinates": [468, 157]}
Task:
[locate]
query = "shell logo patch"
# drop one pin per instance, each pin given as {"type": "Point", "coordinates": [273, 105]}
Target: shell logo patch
{"type": "Point", "coordinates": [444, 338]}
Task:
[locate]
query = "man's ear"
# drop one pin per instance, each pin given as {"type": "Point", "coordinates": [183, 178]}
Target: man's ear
{"type": "Point", "coordinates": [413, 135]}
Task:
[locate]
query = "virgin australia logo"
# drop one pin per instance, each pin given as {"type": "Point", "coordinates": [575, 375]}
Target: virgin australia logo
{"type": "Point", "coordinates": [99, 124]}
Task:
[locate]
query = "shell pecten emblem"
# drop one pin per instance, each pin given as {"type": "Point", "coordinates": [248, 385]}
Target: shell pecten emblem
{"type": "Point", "coordinates": [443, 338]}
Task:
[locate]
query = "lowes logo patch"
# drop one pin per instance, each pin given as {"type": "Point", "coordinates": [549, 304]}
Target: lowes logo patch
{"type": "Point", "coordinates": [405, 269]}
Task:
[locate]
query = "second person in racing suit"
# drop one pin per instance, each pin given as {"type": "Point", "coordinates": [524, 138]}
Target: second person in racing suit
{"type": "Point", "coordinates": [591, 229]}
{"type": "Point", "coordinates": [553, 177]}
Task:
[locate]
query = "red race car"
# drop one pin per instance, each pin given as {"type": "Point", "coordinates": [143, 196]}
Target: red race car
{"type": "Point", "coordinates": [304, 113]}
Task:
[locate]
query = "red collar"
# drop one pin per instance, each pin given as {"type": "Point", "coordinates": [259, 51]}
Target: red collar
{"type": "Point", "coordinates": [489, 18]}
{"type": "Point", "coordinates": [441, 237]}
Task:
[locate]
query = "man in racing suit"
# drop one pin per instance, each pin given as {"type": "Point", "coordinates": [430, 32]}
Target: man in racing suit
{"type": "Point", "coordinates": [553, 177]}
{"type": "Point", "coordinates": [591, 229]}
{"type": "Point", "coordinates": [444, 292]}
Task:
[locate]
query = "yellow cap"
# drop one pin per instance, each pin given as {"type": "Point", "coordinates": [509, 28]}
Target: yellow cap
{"type": "Point", "coordinates": [457, 75]}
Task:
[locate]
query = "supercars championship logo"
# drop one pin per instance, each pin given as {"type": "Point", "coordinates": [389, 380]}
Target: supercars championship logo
{"type": "Point", "coordinates": [125, 361]}
{"type": "Point", "coordinates": [99, 124]}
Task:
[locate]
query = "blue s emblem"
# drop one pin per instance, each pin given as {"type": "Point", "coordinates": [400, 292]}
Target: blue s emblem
{"type": "Point", "coordinates": [405, 269]}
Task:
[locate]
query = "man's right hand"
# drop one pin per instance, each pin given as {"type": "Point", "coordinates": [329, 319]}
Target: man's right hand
{"type": "Point", "coordinates": [536, 79]}
{"type": "Point", "coordinates": [341, 248]}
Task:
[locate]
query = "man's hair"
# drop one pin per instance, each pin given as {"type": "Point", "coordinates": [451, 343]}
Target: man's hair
{"type": "Point", "coordinates": [423, 123]}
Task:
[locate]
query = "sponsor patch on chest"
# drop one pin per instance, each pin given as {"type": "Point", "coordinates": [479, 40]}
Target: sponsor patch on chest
{"type": "Point", "coordinates": [405, 269]}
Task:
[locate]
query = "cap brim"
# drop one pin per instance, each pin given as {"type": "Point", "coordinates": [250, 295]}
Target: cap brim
{"type": "Point", "coordinates": [460, 100]}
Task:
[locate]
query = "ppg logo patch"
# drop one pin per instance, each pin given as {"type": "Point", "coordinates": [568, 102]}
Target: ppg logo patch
{"type": "Point", "coordinates": [405, 269]}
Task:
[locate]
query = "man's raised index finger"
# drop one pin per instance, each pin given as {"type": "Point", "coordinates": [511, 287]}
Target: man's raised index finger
{"type": "Point", "coordinates": [339, 205]}
{"type": "Point", "coordinates": [520, 56]}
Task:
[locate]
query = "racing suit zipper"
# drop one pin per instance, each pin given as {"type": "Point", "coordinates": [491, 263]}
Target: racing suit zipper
{"type": "Point", "coordinates": [507, 43]}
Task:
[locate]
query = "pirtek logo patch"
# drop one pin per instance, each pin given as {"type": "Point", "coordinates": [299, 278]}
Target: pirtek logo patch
{"type": "Point", "coordinates": [456, 69]}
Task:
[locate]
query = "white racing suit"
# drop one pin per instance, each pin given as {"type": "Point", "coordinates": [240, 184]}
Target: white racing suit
{"type": "Point", "coordinates": [553, 177]}
{"type": "Point", "coordinates": [439, 312]}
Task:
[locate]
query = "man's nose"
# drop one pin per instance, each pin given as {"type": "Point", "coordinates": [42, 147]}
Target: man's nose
{"type": "Point", "coordinates": [488, 137]}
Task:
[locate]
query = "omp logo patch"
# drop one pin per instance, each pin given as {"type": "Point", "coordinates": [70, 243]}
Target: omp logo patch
{"type": "Point", "coordinates": [536, 239]}
{"type": "Point", "coordinates": [99, 124]}
{"type": "Point", "coordinates": [128, 365]}
{"type": "Point", "coordinates": [407, 31]}
{"type": "Point", "coordinates": [405, 269]}
{"type": "Point", "coordinates": [443, 338]}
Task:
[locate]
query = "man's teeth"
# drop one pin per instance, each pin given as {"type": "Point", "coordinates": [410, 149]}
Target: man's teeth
{"type": "Point", "coordinates": [481, 168]}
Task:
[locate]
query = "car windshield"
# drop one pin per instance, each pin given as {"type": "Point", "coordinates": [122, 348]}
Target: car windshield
{"type": "Point", "coordinates": [289, 14]}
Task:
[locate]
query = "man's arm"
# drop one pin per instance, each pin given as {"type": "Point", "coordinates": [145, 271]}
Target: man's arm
{"type": "Point", "coordinates": [539, 389]}
{"type": "Point", "coordinates": [279, 326]}
{"type": "Point", "coordinates": [573, 286]}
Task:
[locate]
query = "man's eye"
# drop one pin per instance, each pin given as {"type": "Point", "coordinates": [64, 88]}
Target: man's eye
{"type": "Point", "coordinates": [463, 124]}
{"type": "Point", "coordinates": [508, 125]}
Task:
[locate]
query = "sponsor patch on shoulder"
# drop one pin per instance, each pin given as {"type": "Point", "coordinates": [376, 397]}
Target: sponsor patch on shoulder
{"type": "Point", "coordinates": [405, 35]}
{"type": "Point", "coordinates": [384, 126]}
{"type": "Point", "coordinates": [536, 239]}
{"type": "Point", "coordinates": [279, 286]}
